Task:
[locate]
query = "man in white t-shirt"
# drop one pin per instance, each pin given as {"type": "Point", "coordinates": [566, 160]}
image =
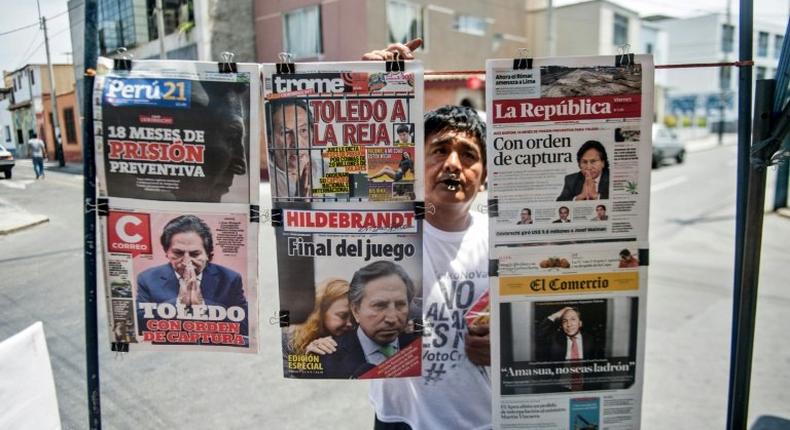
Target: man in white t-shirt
{"type": "Point", "coordinates": [455, 389]}
{"type": "Point", "coordinates": [37, 152]}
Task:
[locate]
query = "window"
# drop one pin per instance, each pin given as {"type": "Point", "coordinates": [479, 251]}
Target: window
{"type": "Point", "coordinates": [302, 32]}
{"type": "Point", "coordinates": [779, 41]}
{"type": "Point", "coordinates": [470, 25]}
{"type": "Point", "coordinates": [404, 21]}
{"type": "Point", "coordinates": [762, 44]}
{"type": "Point", "coordinates": [649, 48]}
{"type": "Point", "coordinates": [71, 129]}
{"type": "Point", "coordinates": [620, 30]}
{"type": "Point", "coordinates": [760, 73]}
{"type": "Point", "coordinates": [725, 74]}
{"type": "Point", "coordinates": [7, 133]}
{"type": "Point", "coordinates": [727, 37]}
{"type": "Point", "coordinates": [32, 78]}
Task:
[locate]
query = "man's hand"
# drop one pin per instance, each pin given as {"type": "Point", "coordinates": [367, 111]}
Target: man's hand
{"type": "Point", "coordinates": [553, 317]}
{"type": "Point", "coordinates": [304, 181]}
{"type": "Point", "coordinates": [322, 346]}
{"type": "Point", "coordinates": [477, 344]}
{"type": "Point", "coordinates": [189, 293]}
{"type": "Point", "coordinates": [589, 190]}
{"type": "Point", "coordinates": [405, 52]}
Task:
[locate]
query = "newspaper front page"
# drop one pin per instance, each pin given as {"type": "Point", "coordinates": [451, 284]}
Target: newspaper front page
{"type": "Point", "coordinates": [177, 204]}
{"type": "Point", "coordinates": [569, 181]}
{"type": "Point", "coordinates": [344, 142]}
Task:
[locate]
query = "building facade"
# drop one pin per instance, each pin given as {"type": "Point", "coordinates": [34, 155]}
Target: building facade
{"type": "Point", "coordinates": [6, 121]}
{"type": "Point", "coordinates": [30, 91]}
{"type": "Point", "coordinates": [714, 38]}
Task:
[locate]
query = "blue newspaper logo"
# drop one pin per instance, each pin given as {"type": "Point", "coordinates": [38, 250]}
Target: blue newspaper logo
{"type": "Point", "coordinates": [166, 93]}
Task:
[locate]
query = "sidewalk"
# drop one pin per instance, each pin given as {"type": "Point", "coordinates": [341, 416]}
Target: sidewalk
{"type": "Point", "coordinates": [708, 142]}
{"type": "Point", "coordinates": [13, 218]}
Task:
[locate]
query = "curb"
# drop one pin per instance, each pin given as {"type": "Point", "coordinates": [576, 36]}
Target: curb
{"type": "Point", "coordinates": [32, 220]}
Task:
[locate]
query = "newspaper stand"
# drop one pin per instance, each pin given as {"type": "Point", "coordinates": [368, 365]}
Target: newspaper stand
{"type": "Point", "coordinates": [771, 124]}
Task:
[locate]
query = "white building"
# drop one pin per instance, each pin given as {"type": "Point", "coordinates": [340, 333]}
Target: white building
{"type": "Point", "coordinates": [6, 121]}
{"type": "Point", "coordinates": [709, 39]}
{"type": "Point", "coordinates": [596, 27]}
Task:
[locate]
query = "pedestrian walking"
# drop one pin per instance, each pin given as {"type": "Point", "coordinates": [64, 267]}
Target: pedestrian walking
{"type": "Point", "coordinates": [37, 151]}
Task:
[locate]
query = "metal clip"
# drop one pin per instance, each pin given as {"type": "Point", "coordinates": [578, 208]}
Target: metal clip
{"type": "Point", "coordinates": [396, 64]}
{"type": "Point", "coordinates": [624, 56]}
{"type": "Point", "coordinates": [125, 60]}
{"type": "Point", "coordinates": [227, 65]}
{"type": "Point", "coordinates": [523, 61]}
{"type": "Point", "coordinates": [286, 64]}
{"type": "Point", "coordinates": [281, 318]}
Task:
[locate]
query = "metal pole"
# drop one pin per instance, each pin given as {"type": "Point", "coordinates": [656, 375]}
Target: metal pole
{"type": "Point", "coordinates": [53, 94]}
{"type": "Point", "coordinates": [160, 25]}
{"type": "Point", "coordinates": [780, 190]}
{"type": "Point", "coordinates": [89, 219]}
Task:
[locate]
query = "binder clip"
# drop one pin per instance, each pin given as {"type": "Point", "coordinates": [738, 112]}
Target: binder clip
{"type": "Point", "coordinates": [522, 61]}
{"type": "Point", "coordinates": [277, 217]}
{"type": "Point", "coordinates": [624, 57]}
{"type": "Point", "coordinates": [396, 64]}
{"type": "Point", "coordinates": [255, 213]}
{"type": "Point", "coordinates": [119, 347]}
{"type": "Point", "coordinates": [644, 256]}
{"type": "Point", "coordinates": [493, 208]}
{"type": "Point", "coordinates": [493, 268]}
{"type": "Point", "coordinates": [227, 65]}
{"type": "Point", "coordinates": [286, 64]}
{"type": "Point", "coordinates": [123, 61]}
{"type": "Point", "coordinates": [102, 206]}
{"type": "Point", "coordinates": [281, 318]}
{"type": "Point", "coordinates": [419, 210]}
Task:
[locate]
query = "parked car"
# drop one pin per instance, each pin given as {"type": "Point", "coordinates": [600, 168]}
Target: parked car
{"type": "Point", "coordinates": [6, 162]}
{"type": "Point", "coordinates": [666, 146]}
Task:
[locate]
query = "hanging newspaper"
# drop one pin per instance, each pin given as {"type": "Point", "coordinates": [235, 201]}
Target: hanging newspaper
{"type": "Point", "coordinates": [569, 176]}
{"type": "Point", "coordinates": [350, 288]}
{"type": "Point", "coordinates": [177, 131]}
{"type": "Point", "coordinates": [345, 149]}
{"type": "Point", "coordinates": [178, 198]}
{"type": "Point", "coordinates": [180, 276]}
{"type": "Point", "coordinates": [344, 131]}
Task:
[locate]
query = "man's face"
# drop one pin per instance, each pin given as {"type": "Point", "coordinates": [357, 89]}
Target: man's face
{"type": "Point", "coordinates": [525, 216]}
{"type": "Point", "coordinates": [571, 323]}
{"type": "Point", "coordinates": [591, 164]}
{"type": "Point", "coordinates": [384, 308]}
{"type": "Point", "coordinates": [404, 137]}
{"type": "Point", "coordinates": [187, 248]}
{"type": "Point", "coordinates": [454, 170]}
{"type": "Point", "coordinates": [600, 211]}
{"type": "Point", "coordinates": [337, 318]}
{"type": "Point", "coordinates": [225, 145]}
{"type": "Point", "coordinates": [564, 212]}
{"type": "Point", "coordinates": [291, 132]}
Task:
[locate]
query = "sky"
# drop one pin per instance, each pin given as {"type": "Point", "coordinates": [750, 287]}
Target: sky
{"type": "Point", "coordinates": [27, 45]}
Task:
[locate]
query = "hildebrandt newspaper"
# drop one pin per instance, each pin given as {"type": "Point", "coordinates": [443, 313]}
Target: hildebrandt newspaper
{"type": "Point", "coordinates": [569, 181]}
{"type": "Point", "coordinates": [345, 161]}
{"type": "Point", "coordinates": [178, 202]}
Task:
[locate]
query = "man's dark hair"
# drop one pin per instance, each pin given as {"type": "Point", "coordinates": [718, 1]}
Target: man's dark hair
{"type": "Point", "coordinates": [378, 269]}
{"type": "Point", "coordinates": [185, 224]}
{"type": "Point", "coordinates": [403, 128]}
{"type": "Point", "coordinates": [593, 144]}
{"type": "Point", "coordinates": [276, 105]}
{"type": "Point", "coordinates": [625, 253]}
{"type": "Point", "coordinates": [529, 211]}
{"type": "Point", "coordinates": [563, 207]}
{"type": "Point", "coordinates": [457, 118]}
{"type": "Point", "coordinates": [600, 206]}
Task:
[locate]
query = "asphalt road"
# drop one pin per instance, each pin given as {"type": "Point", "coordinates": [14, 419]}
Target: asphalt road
{"type": "Point", "coordinates": [689, 308]}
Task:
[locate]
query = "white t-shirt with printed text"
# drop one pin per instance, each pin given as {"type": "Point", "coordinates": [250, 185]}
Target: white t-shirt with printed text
{"type": "Point", "coordinates": [453, 392]}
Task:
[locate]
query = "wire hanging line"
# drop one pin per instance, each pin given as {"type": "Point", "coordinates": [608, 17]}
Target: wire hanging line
{"type": "Point", "coordinates": [657, 66]}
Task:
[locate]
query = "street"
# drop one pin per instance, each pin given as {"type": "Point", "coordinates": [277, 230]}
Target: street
{"type": "Point", "coordinates": [688, 335]}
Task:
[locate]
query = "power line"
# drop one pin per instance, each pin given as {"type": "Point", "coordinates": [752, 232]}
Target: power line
{"type": "Point", "coordinates": [19, 29]}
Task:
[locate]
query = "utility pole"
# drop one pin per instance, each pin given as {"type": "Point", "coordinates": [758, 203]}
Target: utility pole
{"type": "Point", "coordinates": [725, 90]}
{"type": "Point", "coordinates": [550, 29]}
{"type": "Point", "coordinates": [52, 93]}
{"type": "Point", "coordinates": [160, 25]}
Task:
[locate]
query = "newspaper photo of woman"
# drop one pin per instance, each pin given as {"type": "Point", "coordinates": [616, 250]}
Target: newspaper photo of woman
{"type": "Point", "coordinates": [331, 316]}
